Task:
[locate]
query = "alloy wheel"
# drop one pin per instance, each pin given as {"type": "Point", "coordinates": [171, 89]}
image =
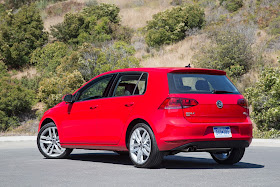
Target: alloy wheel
{"type": "Point", "coordinates": [140, 145]}
{"type": "Point", "coordinates": [49, 142]}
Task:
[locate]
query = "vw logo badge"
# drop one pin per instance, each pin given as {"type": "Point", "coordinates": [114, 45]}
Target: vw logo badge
{"type": "Point", "coordinates": [219, 104]}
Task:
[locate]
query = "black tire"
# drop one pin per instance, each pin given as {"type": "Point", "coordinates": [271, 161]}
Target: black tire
{"type": "Point", "coordinates": [65, 152]}
{"type": "Point", "coordinates": [232, 157]}
{"type": "Point", "coordinates": [155, 158]}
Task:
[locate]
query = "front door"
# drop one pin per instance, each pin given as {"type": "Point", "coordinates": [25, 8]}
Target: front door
{"type": "Point", "coordinates": [81, 126]}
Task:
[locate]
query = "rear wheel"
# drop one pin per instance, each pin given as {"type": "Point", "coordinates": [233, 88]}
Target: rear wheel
{"type": "Point", "coordinates": [231, 157]}
{"type": "Point", "coordinates": [48, 142]}
{"type": "Point", "coordinates": [143, 149]}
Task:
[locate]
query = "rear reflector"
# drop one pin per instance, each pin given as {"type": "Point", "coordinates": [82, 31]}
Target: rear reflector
{"type": "Point", "coordinates": [242, 102]}
{"type": "Point", "coordinates": [177, 103]}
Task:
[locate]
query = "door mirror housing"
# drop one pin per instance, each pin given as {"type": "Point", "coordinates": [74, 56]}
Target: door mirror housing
{"type": "Point", "coordinates": [68, 98]}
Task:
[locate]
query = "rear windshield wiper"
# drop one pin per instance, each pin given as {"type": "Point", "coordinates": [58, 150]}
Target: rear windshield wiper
{"type": "Point", "coordinates": [220, 91]}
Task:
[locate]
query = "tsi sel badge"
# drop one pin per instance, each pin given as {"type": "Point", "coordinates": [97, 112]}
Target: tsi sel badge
{"type": "Point", "coordinates": [219, 104]}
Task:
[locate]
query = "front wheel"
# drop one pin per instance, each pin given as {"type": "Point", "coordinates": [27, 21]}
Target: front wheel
{"type": "Point", "coordinates": [231, 157]}
{"type": "Point", "coordinates": [48, 142]}
{"type": "Point", "coordinates": [143, 149]}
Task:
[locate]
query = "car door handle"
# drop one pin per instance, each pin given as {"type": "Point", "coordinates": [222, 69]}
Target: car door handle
{"type": "Point", "coordinates": [93, 107]}
{"type": "Point", "coordinates": [129, 104]}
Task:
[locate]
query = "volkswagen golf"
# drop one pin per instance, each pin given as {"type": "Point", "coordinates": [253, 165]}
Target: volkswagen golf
{"type": "Point", "coordinates": [149, 113]}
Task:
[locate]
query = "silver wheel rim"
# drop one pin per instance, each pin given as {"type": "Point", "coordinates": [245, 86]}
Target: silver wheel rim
{"type": "Point", "coordinates": [222, 156]}
{"type": "Point", "coordinates": [49, 142]}
{"type": "Point", "coordinates": [140, 145]}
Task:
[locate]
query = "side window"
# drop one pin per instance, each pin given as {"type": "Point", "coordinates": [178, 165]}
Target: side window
{"type": "Point", "coordinates": [96, 89]}
{"type": "Point", "coordinates": [131, 85]}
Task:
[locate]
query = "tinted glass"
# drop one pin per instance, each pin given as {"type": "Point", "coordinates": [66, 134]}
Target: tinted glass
{"type": "Point", "coordinates": [131, 85]}
{"type": "Point", "coordinates": [200, 83]}
{"type": "Point", "coordinates": [96, 89]}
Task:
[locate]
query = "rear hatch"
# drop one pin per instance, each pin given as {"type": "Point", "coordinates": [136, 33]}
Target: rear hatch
{"type": "Point", "coordinates": [207, 98]}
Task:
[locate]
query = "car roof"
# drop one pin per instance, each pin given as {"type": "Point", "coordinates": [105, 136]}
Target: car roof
{"type": "Point", "coordinates": [170, 70]}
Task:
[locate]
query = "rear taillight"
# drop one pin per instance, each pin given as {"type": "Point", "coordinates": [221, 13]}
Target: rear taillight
{"type": "Point", "coordinates": [177, 103]}
{"type": "Point", "coordinates": [242, 102]}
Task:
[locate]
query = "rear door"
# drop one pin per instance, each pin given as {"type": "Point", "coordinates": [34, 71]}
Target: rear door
{"type": "Point", "coordinates": [218, 99]}
{"type": "Point", "coordinates": [114, 111]}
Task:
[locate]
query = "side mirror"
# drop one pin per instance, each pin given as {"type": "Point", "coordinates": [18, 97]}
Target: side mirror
{"type": "Point", "coordinates": [68, 98]}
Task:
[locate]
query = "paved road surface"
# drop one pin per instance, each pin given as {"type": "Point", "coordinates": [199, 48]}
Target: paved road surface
{"type": "Point", "coordinates": [21, 164]}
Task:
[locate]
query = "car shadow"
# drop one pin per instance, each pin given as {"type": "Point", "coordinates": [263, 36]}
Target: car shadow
{"type": "Point", "coordinates": [169, 162]}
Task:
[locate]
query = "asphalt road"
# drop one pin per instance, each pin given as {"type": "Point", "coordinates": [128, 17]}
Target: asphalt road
{"type": "Point", "coordinates": [21, 164]}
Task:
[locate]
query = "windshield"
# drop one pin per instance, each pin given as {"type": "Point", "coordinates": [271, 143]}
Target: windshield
{"type": "Point", "coordinates": [200, 83]}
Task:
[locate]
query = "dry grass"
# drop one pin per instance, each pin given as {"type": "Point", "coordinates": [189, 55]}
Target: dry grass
{"type": "Point", "coordinates": [30, 72]}
{"type": "Point", "coordinates": [54, 13]}
{"type": "Point", "coordinates": [176, 55]}
{"type": "Point", "coordinates": [138, 17]}
{"type": "Point", "coordinates": [27, 128]}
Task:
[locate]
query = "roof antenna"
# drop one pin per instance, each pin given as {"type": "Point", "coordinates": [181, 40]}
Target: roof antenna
{"type": "Point", "coordinates": [188, 66]}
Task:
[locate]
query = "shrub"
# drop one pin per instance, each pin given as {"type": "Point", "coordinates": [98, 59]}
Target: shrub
{"type": "Point", "coordinates": [96, 23]}
{"type": "Point", "coordinates": [274, 26]}
{"type": "Point", "coordinates": [21, 33]}
{"type": "Point", "coordinates": [14, 4]}
{"type": "Point", "coordinates": [14, 101]}
{"type": "Point", "coordinates": [52, 89]}
{"type": "Point", "coordinates": [265, 100]}
{"type": "Point", "coordinates": [47, 58]}
{"type": "Point", "coordinates": [3, 69]}
{"type": "Point", "coordinates": [170, 26]}
{"type": "Point", "coordinates": [229, 51]}
{"type": "Point", "coordinates": [232, 5]}
{"type": "Point", "coordinates": [81, 66]}
{"type": "Point", "coordinates": [91, 61]}
{"type": "Point", "coordinates": [104, 10]}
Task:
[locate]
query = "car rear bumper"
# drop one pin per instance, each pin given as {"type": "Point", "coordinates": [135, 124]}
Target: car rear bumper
{"type": "Point", "coordinates": [208, 145]}
{"type": "Point", "coordinates": [175, 133]}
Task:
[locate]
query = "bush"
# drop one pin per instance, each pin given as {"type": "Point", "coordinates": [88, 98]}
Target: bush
{"type": "Point", "coordinates": [14, 101]}
{"type": "Point", "coordinates": [104, 10]}
{"type": "Point", "coordinates": [274, 26]}
{"type": "Point", "coordinates": [232, 5]}
{"type": "Point", "coordinates": [91, 61]}
{"type": "Point", "coordinates": [271, 134]}
{"type": "Point", "coordinates": [265, 100]}
{"type": "Point", "coordinates": [21, 33]}
{"type": "Point", "coordinates": [52, 89]}
{"type": "Point", "coordinates": [229, 51]}
{"type": "Point", "coordinates": [48, 58]}
{"type": "Point", "coordinates": [171, 25]}
{"type": "Point", "coordinates": [96, 23]}
{"type": "Point", "coordinates": [14, 4]}
{"type": "Point", "coordinates": [81, 66]}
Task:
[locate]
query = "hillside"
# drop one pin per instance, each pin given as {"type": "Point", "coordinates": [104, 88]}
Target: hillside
{"type": "Point", "coordinates": [240, 37]}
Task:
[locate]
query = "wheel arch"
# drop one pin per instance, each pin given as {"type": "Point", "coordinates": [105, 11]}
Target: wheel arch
{"type": "Point", "coordinates": [130, 127]}
{"type": "Point", "coordinates": [46, 121]}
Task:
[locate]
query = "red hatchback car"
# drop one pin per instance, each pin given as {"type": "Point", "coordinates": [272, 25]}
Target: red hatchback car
{"type": "Point", "coordinates": [149, 113]}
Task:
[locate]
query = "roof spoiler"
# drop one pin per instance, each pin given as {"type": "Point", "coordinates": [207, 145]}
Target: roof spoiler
{"type": "Point", "coordinates": [200, 71]}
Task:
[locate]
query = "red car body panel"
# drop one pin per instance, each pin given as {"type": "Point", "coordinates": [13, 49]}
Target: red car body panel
{"type": "Point", "coordinates": [103, 123]}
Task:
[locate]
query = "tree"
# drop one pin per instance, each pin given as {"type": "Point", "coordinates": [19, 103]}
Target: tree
{"type": "Point", "coordinates": [171, 25]}
{"type": "Point", "coordinates": [48, 58]}
{"type": "Point", "coordinates": [264, 98]}
{"type": "Point", "coordinates": [95, 24]}
{"type": "Point", "coordinates": [229, 51]}
{"type": "Point", "coordinates": [21, 33]}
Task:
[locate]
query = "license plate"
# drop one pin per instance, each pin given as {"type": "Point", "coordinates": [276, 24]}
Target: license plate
{"type": "Point", "coordinates": [222, 132]}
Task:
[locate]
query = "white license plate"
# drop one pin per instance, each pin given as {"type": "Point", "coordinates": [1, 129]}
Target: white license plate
{"type": "Point", "coordinates": [222, 132]}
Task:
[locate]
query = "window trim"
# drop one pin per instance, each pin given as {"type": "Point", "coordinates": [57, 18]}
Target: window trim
{"type": "Point", "coordinates": [85, 87]}
{"type": "Point", "coordinates": [171, 84]}
{"type": "Point", "coordinates": [114, 86]}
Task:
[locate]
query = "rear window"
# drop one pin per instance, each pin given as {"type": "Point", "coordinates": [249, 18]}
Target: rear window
{"type": "Point", "coordinates": [200, 83]}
